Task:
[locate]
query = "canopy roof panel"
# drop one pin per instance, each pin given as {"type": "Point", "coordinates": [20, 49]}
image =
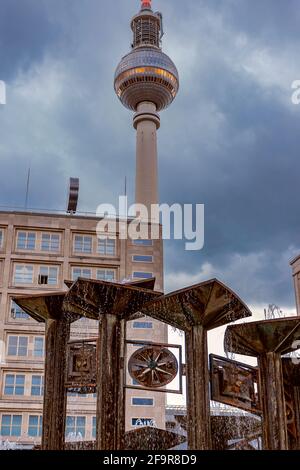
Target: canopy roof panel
{"type": "Point", "coordinates": [42, 307]}
{"type": "Point", "coordinates": [91, 298]}
{"type": "Point", "coordinates": [210, 303]}
{"type": "Point", "coordinates": [256, 338]}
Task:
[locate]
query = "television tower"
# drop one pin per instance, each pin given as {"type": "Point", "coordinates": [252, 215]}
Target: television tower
{"type": "Point", "coordinates": [146, 81]}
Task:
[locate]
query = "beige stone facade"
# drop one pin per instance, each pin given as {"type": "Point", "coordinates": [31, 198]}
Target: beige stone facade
{"type": "Point", "coordinates": [37, 253]}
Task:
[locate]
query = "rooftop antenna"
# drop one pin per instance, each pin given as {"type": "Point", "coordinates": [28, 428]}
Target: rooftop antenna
{"type": "Point", "coordinates": [27, 189]}
{"type": "Point", "coordinates": [73, 196]}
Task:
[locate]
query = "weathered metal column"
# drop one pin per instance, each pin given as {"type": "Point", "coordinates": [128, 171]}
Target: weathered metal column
{"type": "Point", "coordinates": [48, 308]}
{"type": "Point", "coordinates": [268, 340]}
{"type": "Point", "coordinates": [273, 402]}
{"type": "Point", "coordinates": [110, 388]}
{"type": "Point", "coordinates": [198, 404]}
{"type": "Point", "coordinates": [55, 396]}
{"type": "Point", "coordinates": [197, 310]}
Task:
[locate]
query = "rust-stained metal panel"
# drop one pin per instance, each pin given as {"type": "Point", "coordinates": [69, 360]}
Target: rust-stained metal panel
{"type": "Point", "coordinates": [92, 299]}
{"type": "Point", "coordinates": [210, 304]}
{"type": "Point", "coordinates": [255, 338]}
{"type": "Point", "coordinates": [81, 371]}
{"type": "Point", "coordinates": [153, 366]}
{"type": "Point", "coordinates": [42, 307]}
{"type": "Point", "coordinates": [235, 384]}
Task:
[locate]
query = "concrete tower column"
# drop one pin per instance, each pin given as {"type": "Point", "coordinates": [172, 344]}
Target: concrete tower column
{"type": "Point", "coordinates": [146, 121]}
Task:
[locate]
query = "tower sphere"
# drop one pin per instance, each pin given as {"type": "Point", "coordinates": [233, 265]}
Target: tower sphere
{"type": "Point", "coordinates": [146, 73]}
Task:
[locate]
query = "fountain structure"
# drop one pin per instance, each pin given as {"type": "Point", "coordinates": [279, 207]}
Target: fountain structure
{"type": "Point", "coordinates": [100, 365]}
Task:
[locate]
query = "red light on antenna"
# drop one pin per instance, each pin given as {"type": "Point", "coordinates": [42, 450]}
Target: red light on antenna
{"type": "Point", "coordinates": [146, 3]}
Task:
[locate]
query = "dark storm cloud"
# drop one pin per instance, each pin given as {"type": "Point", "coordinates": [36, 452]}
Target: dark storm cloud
{"type": "Point", "coordinates": [26, 33]}
{"type": "Point", "coordinates": [230, 140]}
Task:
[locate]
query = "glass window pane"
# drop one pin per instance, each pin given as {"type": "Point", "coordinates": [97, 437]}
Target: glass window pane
{"type": "Point", "coordinates": [13, 340]}
{"type": "Point", "coordinates": [33, 420]}
{"type": "Point", "coordinates": [21, 242]}
{"type": "Point", "coordinates": [6, 420]}
{"type": "Point", "coordinates": [142, 275]}
{"type": "Point", "coordinates": [143, 259]}
{"type": "Point", "coordinates": [20, 379]}
{"type": "Point", "coordinates": [142, 401]}
{"type": "Point", "coordinates": [36, 380]}
{"type": "Point", "coordinates": [16, 431]}
{"type": "Point", "coordinates": [52, 280]}
{"type": "Point", "coordinates": [10, 379]}
{"type": "Point", "coordinates": [142, 325]}
{"type": "Point", "coordinates": [23, 340]}
{"type": "Point", "coordinates": [38, 347]}
{"type": "Point", "coordinates": [5, 431]}
{"type": "Point", "coordinates": [143, 242]}
{"type": "Point", "coordinates": [81, 421]}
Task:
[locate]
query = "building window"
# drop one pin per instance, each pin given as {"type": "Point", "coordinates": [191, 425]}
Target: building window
{"type": "Point", "coordinates": [81, 272]}
{"type": "Point", "coordinates": [38, 350]}
{"type": "Point", "coordinates": [50, 242]}
{"type": "Point", "coordinates": [106, 246]}
{"type": "Point", "coordinates": [37, 386]}
{"type": "Point", "coordinates": [23, 274]}
{"type": "Point", "coordinates": [83, 244]}
{"type": "Point", "coordinates": [94, 427]}
{"type": "Point", "coordinates": [105, 275]}
{"type": "Point", "coordinates": [142, 401]}
{"type": "Point", "coordinates": [17, 346]}
{"type": "Point", "coordinates": [142, 259]}
{"type": "Point", "coordinates": [17, 313]}
{"type": "Point", "coordinates": [1, 238]}
{"type": "Point", "coordinates": [142, 275]}
{"type": "Point", "coordinates": [75, 425]}
{"type": "Point", "coordinates": [26, 241]}
{"type": "Point", "coordinates": [142, 325]}
{"type": "Point", "coordinates": [35, 425]}
{"type": "Point", "coordinates": [142, 422]}
{"type": "Point", "coordinates": [11, 425]}
{"type": "Point", "coordinates": [143, 242]}
{"type": "Point", "coordinates": [48, 275]}
{"type": "Point", "coordinates": [14, 384]}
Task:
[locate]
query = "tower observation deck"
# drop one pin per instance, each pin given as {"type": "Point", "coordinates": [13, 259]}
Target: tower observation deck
{"type": "Point", "coordinates": [146, 81]}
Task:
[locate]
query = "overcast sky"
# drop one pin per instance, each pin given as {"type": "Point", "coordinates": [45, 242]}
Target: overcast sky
{"type": "Point", "coordinates": [229, 141]}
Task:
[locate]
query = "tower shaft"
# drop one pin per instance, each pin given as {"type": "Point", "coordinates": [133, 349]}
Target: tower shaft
{"type": "Point", "coordinates": [146, 81]}
{"type": "Point", "coordinates": [146, 122]}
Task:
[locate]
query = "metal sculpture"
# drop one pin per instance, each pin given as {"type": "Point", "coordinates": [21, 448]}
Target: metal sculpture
{"type": "Point", "coordinates": [196, 310]}
{"type": "Point", "coordinates": [111, 305]}
{"type": "Point", "coordinates": [82, 370]}
{"type": "Point", "coordinates": [235, 384]}
{"type": "Point", "coordinates": [291, 380]}
{"type": "Point", "coordinates": [268, 341]}
{"type": "Point", "coordinates": [48, 308]}
{"type": "Point", "coordinates": [273, 389]}
{"type": "Point", "coordinates": [153, 367]}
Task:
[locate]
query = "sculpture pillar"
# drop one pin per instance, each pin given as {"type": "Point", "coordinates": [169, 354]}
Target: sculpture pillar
{"type": "Point", "coordinates": [110, 387]}
{"type": "Point", "coordinates": [198, 404]}
{"type": "Point", "coordinates": [55, 397]}
{"type": "Point", "coordinates": [273, 402]}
